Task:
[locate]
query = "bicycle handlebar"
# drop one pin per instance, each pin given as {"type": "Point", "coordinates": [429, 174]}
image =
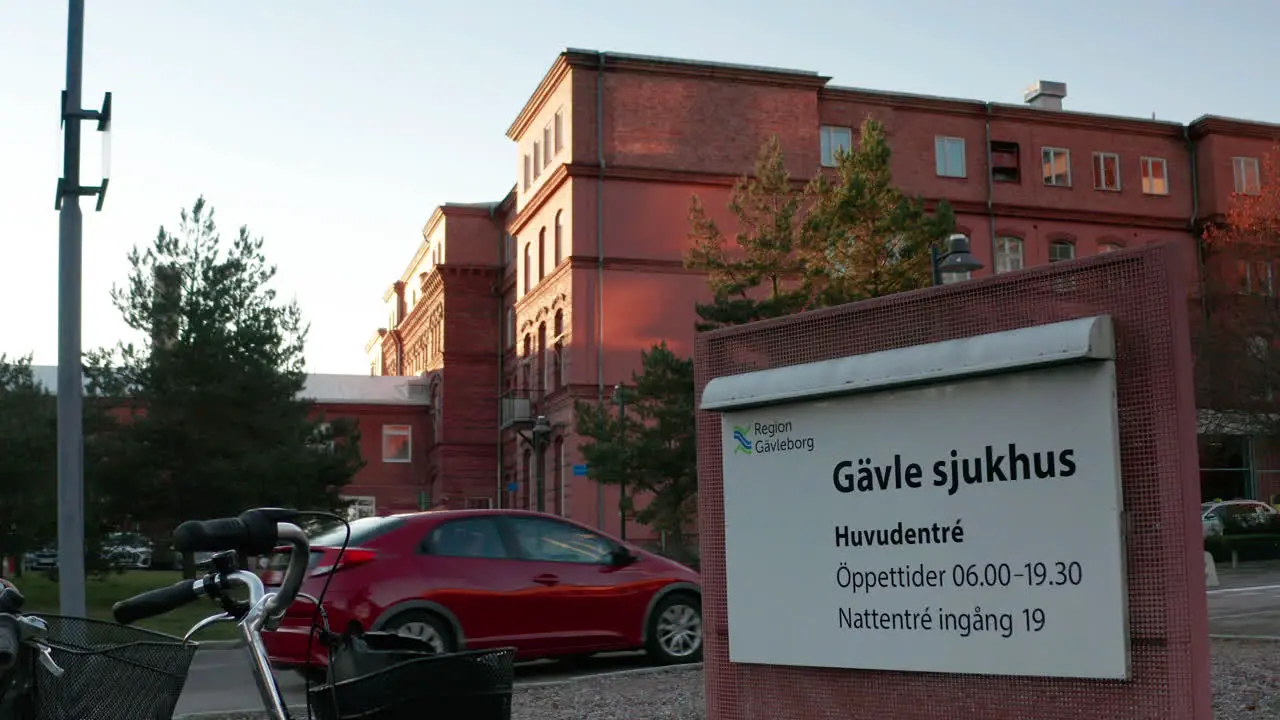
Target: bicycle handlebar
{"type": "Point", "coordinates": [158, 602]}
{"type": "Point", "coordinates": [254, 532]}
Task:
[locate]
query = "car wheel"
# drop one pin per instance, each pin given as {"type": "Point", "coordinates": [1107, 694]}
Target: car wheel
{"type": "Point", "coordinates": [675, 630]}
{"type": "Point", "coordinates": [425, 626]}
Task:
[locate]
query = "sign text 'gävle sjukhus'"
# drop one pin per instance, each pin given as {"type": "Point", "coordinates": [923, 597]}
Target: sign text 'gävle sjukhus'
{"type": "Point", "coordinates": [968, 526]}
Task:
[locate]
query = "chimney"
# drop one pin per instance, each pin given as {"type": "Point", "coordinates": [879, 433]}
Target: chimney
{"type": "Point", "coordinates": [1045, 94]}
{"type": "Point", "coordinates": [166, 301]}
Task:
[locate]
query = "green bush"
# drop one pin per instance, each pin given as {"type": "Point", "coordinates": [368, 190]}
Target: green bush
{"type": "Point", "coordinates": [1249, 540]}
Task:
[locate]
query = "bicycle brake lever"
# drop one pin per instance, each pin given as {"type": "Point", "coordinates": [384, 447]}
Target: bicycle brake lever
{"type": "Point", "coordinates": [211, 620]}
{"type": "Point", "coordinates": [46, 659]}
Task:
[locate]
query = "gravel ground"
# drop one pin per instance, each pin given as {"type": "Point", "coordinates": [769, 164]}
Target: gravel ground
{"type": "Point", "coordinates": [1246, 686]}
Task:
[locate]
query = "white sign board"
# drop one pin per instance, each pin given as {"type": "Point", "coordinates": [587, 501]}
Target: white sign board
{"type": "Point", "coordinates": [966, 527]}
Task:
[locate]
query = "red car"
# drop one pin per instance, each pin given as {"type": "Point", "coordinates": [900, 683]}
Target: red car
{"type": "Point", "coordinates": [473, 579]}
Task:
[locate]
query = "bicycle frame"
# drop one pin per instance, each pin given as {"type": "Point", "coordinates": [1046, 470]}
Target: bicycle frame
{"type": "Point", "coordinates": [265, 613]}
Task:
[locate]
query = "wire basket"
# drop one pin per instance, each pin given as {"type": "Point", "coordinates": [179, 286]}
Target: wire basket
{"type": "Point", "coordinates": [471, 685]}
{"type": "Point", "coordinates": [113, 672]}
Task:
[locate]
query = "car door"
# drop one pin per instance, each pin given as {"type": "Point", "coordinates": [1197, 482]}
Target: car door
{"type": "Point", "coordinates": [588, 599]}
{"type": "Point", "coordinates": [467, 567]}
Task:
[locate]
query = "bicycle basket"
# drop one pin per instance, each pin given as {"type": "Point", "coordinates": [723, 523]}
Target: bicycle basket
{"type": "Point", "coordinates": [471, 685]}
{"type": "Point", "coordinates": [113, 672]}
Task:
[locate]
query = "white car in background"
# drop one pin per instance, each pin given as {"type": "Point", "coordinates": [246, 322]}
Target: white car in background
{"type": "Point", "coordinates": [1212, 514]}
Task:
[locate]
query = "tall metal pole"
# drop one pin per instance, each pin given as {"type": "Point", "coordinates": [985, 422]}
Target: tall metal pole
{"type": "Point", "coordinates": [71, 551]}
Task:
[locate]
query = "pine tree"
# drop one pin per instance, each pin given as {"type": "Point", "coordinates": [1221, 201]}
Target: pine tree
{"type": "Point", "coordinates": [863, 237]}
{"type": "Point", "coordinates": [220, 424]}
{"type": "Point", "coordinates": [754, 277]}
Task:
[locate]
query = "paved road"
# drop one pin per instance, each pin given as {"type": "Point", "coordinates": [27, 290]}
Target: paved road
{"type": "Point", "coordinates": [220, 680]}
{"type": "Point", "coordinates": [1247, 602]}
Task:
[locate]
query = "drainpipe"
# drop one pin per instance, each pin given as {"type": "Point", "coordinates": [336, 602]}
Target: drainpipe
{"type": "Point", "coordinates": [502, 341]}
{"type": "Point", "coordinates": [600, 259]}
{"type": "Point", "coordinates": [991, 189]}
{"type": "Point", "coordinates": [1201, 254]}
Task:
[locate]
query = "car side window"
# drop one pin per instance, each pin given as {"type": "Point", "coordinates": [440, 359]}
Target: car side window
{"type": "Point", "coordinates": [552, 541]}
{"type": "Point", "coordinates": [468, 538]}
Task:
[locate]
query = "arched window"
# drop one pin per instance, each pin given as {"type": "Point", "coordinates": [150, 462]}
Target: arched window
{"type": "Point", "coordinates": [559, 238]}
{"type": "Point", "coordinates": [542, 254]}
{"type": "Point", "coordinates": [557, 356]}
{"type": "Point", "coordinates": [1008, 254]}
{"type": "Point", "coordinates": [1107, 246]}
{"type": "Point", "coordinates": [542, 357]}
{"type": "Point", "coordinates": [528, 266]}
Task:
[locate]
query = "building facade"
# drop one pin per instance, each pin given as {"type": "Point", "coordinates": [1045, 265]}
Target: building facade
{"type": "Point", "coordinates": [514, 309]}
{"type": "Point", "coordinates": [395, 422]}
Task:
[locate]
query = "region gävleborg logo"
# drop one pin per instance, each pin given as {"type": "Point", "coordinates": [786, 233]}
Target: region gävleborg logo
{"type": "Point", "coordinates": [764, 438]}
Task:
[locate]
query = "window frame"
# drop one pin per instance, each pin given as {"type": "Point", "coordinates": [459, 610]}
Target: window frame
{"type": "Point", "coordinates": [390, 430]}
{"type": "Point", "coordinates": [558, 124]}
{"type": "Point", "coordinates": [827, 146]}
{"type": "Point", "coordinates": [518, 551]}
{"type": "Point", "coordinates": [528, 170]}
{"type": "Point", "coordinates": [547, 138]}
{"type": "Point", "coordinates": [1021, 254]}
{"type": "Point", "coordinates": [1240, 166]}
{"type": "Point", "coordinates": [537, 154]}
{"type": "Point", "coordinates": [941, 157]}
{"type": "Point", "coordinates": [1147, 165]}
{"type": "Point", "coordinates": [1059, 244]}
{"type": "Point", "coordinates": [1048, 154]}
{"type": "Point", "coordinates": [1100, 159]}
{"type": "Point", "coordinates": [427, 545]}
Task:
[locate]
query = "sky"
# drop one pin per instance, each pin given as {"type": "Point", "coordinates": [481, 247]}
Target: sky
{"type": "Point", "coordinates": [332, 129]}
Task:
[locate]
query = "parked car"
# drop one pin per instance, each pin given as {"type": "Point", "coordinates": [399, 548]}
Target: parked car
{"type": "Point", "coordinates": [121, 550]}
{"type": "Point", "coordinates": [1214, 514]}
{"type": "Point", "coordinates": [474, 579]}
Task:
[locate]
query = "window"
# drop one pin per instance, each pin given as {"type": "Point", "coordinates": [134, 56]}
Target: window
{"type": "Point", "coordinates": [509, 248]}
{"type": "Point", "coordinates": [321, 439]}
{"type": "Point", "coordinates": [470, 538]}
{"type": "Point", "coordinates": [553, 541]}
{"type": "Point", "coordinates": [834, 139]}
{"type": "Point", "coordinates": [362, 531]}
{"type": "Point", "coordinates": [1005, 162]}
{"type": "Point", "coordinates": [542, 254]}
{"type": "Point", "coordinates": [546, 145]}
{"type": "Point", "coordinates": [1008, 254]}
{"type": "Point", "coordinates": [559, 241]}
{"type": "Point", "coordinates": [537, 154]}
{"type": "Point", "coordinates": [1056, 164]}
{"type": "Point", "coordinates": [949, 156]}
{"type": "Point", "coordinates": [559, 130]}
{"type": "Point", "coordinates": [528, 171]}
{"type": "Point", "coordinates": [1106, 171]}
{"type": "Point", "coordinates": [511, 328]}
{"type": "Point", "coordinates": [397, 443]}
{"type": "Point", "coordinates": [1155, 176]}
{"type": "Point", "coordinates": [1259, 277]}
{"type": "Point", "coordinates": [1106, 247]}
{"type": "Point", "coordinates": [528, 266]}
{"type": "Point", "coordinates": [1060, 250]}
{"type": "Point", "coordinates": [1245, 170]}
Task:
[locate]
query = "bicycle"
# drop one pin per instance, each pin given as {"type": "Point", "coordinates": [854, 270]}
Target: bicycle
{"type": "Point", "coordinates": [60, 668]}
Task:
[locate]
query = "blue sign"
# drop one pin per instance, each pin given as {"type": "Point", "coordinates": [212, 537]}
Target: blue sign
{"type": "Point", "coordinates": [513, 486]}
{"type": "Point", "coordinates": [580, 470]}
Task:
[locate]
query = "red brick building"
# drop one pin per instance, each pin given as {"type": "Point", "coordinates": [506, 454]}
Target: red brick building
{"type": "Point", "coordinates": [395, 435]}
{"type": "Point", "coordinates": [513, 309]}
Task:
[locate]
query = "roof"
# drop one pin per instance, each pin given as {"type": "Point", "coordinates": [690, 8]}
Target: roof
{"type": "Point", "coordinates": [323, 388]}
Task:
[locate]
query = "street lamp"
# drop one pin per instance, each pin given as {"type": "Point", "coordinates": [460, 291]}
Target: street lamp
{"type": "Point", "coordinates": [71, 589]}
{"type": "Point", "coordinates": [539, 437]}
{"type": "Point", "coordinates": [619, 395]}
{"type": "Point", "coordinates": [956, 259]}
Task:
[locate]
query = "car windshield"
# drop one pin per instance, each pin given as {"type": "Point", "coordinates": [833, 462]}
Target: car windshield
{"type": "Point", "coordinates": [362, 531]}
